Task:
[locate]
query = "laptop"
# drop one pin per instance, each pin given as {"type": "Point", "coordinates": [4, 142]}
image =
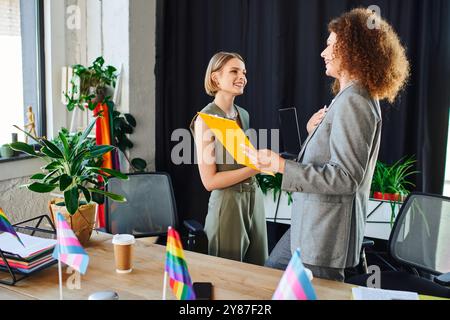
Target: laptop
{"type": "Point", "coordinates": [290, 133]}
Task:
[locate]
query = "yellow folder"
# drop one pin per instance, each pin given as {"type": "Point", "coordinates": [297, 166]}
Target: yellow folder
{"type": "Point", "coordinates": [232, 138]}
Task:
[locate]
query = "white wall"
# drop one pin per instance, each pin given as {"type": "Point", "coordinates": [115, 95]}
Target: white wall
{"type": "Point", "coordinates": [123, 31]}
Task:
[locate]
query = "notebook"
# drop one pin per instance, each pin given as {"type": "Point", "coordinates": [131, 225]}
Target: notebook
{"type": "Point", "coordinates": [33, 245]}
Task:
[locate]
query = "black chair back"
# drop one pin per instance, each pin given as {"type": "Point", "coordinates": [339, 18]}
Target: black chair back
{"type": "Point", "coordinates": [420, 237]}
{"type": "Point", "coordinates": [150, 208]}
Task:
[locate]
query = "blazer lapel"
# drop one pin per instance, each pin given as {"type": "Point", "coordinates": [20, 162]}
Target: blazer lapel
{"type": "Point", "coordinates": [302, 150]}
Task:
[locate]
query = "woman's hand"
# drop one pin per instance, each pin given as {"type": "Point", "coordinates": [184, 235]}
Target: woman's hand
{"type": "Point", "coordinates": [316, 119]}
{"type": "Point", "coordinates": [265, 160]}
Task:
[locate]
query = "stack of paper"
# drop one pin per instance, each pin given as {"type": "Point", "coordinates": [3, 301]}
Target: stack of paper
{"type": "Point", "coordinates": [363, 293]}
{"type": "Point", "coordinates": [36, 254]}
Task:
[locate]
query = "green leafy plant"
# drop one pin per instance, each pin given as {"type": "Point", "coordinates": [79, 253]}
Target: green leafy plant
{"type": "Point", "coordinates": [391, 183]}
{"type": "Point", "coordinates": [393, 178]}
{"type": "Point", "coordinates": [124, 124]}
{"type": "Point", "coordinates": [73, 166]}
{"type": "Point", "coordinates": [267, 182]}
{"type": "Point", "coordinates": [89, 84]}
{"type": "Point", "coordinates": [93, 84]}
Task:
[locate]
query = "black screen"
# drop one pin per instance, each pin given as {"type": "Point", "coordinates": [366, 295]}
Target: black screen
{"type": "Point", "coordinates": [290, 134]}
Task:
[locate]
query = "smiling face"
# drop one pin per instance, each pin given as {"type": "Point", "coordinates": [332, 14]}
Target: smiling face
{"type": "Point", "coordinates": [332, 61]}
{"type": "Point", "coordinates": [231, 78]}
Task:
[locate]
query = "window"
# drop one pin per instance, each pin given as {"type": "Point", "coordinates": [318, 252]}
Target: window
{"type": "Point", "coordinates": [21, 67]}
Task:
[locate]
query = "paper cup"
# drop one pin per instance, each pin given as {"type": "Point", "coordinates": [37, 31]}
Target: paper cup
{"type": "Point", "coordinates": [123, 252]}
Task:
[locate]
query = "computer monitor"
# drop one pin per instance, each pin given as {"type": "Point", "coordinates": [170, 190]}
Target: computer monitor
{"type": "Point", "coordinates": [290, 132]}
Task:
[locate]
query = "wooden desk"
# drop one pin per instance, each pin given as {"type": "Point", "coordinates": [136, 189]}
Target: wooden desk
{"type": "Point", "coordinates": [231, 279]}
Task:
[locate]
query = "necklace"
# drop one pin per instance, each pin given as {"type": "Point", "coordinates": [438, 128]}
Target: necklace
{"type": "Point", "coordinates": [233, 115]}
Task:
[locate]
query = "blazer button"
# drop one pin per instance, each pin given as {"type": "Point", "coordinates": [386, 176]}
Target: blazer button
{"type": "Point", "coordinates": [299, 189]}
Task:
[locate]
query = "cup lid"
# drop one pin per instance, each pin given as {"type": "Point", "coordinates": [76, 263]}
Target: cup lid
{"type": "Point", "coordinates": [123, 239]}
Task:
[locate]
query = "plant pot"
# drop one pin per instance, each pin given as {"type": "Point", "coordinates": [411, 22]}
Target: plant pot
{"type": "Point", "coordinates": [100, 94]}
{"type": "Point", "coordinates": [82, 222]}
{"type": "Point", "coordinates": [386, 196]}
{"type": "Point", "coordinates": [6, 151]}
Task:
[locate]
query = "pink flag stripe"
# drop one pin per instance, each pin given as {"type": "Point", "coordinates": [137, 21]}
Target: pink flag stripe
{"type": "Point", "coordinates": [69, 249]}
{"type": "Point", "coordinates": [295, 287]}
{"type": "Point", "coordinates": [70, 242]}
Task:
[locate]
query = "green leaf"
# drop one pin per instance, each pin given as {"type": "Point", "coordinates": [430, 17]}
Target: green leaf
{"type": "Point", "coordinates": [87, 131]}
{"type": "Point", "coordinates": [48, 176]}
{"type": "Point", "coordinates": [71, 197]}
{"type": "Point", "coordinates": [65, 143]}
{"type": "Point", "coordinates": [38, 176]}
{"type": "Point", "coordinates": [23, 147]}
{"type": "Point", "coordinates": [139, 164]}
{"type": "Point", "coordinates": [86, 193]}
{"type": "Point", "coordinates": [98, 151]}
{"type": "Point", "coordinates": [130, 119]}
{"type": "Point", "coordinates": [111, 172]}
{"type": "Point", "coordinates": [41, 187]}
{"type": "Point", "coordinates": [51, 146]}
{"type": "Point", "coordinates": [53, 166]}
{"type": "Point", "coordinates": [98, 198]}
{"type": "Point", "coordinates": [64, 182]}
{"type": "Point", "coordinates": [112, 196]}
{"type": "Point", "coordinates": [49, 153]}
{"type": "Point", "coordinates": [55, 180]}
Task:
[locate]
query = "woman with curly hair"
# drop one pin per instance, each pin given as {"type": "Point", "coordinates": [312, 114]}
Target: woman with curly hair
{"type": "Point", "coordinates": [332, 175]}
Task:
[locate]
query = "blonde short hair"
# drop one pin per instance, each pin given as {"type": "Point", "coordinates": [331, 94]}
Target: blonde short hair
{"type": "Point", "coordinates": [216, 63]}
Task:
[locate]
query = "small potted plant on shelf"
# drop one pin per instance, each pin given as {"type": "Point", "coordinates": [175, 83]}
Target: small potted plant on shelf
{"type": "Point", "coordinates": [74, 167]}
{"type": "Point", "coordinates": [390, 182]}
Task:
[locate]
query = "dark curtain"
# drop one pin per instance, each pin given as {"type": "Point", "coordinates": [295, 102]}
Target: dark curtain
{"type": "Point", "coordinates": [281, 42]}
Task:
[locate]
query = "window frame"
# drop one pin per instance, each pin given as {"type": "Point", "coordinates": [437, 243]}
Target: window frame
{"type": "Point", "coordinates": [40, 109]}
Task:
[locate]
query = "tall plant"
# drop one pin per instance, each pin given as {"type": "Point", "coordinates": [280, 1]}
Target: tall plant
{"type": "Point", "coordinates": [74, 166]}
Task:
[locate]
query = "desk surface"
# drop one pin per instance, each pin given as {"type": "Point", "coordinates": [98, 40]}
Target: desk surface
{"type": "Point", "coordinates": [231, 280]}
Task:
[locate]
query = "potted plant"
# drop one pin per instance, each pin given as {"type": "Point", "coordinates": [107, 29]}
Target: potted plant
{"type": "Point", "coordinates": [74, 167]}
{"type": "Point", "coordinates": [267, 183]}
{"type": "Point", "coordinates": [90, 86]}
{"type": "Point", "coordinates": [390, 182]}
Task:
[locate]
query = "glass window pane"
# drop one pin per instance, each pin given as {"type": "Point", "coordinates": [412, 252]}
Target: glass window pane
{"type": "Point", "coordinates": [11, 75]}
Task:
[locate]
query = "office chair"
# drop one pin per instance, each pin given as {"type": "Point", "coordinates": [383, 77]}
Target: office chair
{"type": "Point", "coordinates": [149, 211]}
{"type": "Point", "coordinates": [419, 244]}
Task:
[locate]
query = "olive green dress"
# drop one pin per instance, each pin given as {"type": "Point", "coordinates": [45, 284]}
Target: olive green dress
{"type": "Point", "coordinates": [235, 223]}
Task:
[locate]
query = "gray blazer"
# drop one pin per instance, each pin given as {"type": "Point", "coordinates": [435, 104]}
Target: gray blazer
{"type": "Point", "coordinates": [331, 180]}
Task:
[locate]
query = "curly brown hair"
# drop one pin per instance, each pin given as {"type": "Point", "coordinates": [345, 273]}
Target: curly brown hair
{"type": "Point", "coordinates": [374, 56]}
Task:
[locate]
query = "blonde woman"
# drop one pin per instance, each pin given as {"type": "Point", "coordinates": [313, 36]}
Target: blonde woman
{"type": "Point", "coordinates": [235, 223]}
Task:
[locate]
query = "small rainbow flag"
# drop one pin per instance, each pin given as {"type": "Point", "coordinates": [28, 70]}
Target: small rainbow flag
{"type": "Point", "coordinates": [176, 267]}
{"type": "Point", "coordinates": [295, 284]}
{"type": "Point", "coordinates": [6, 226]}
{"type": "Point", "coordinates": [68, 248]}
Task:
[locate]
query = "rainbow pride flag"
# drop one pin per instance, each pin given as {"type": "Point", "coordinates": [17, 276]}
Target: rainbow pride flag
{"type": "Point", "coordinates": [176, 267]}
{"type": "Point", "coordinates": [295, 284]}
{"type": "Point", "coordinates": [6, 226]}
{"type": "Point", "coordinates": [68, 248]}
